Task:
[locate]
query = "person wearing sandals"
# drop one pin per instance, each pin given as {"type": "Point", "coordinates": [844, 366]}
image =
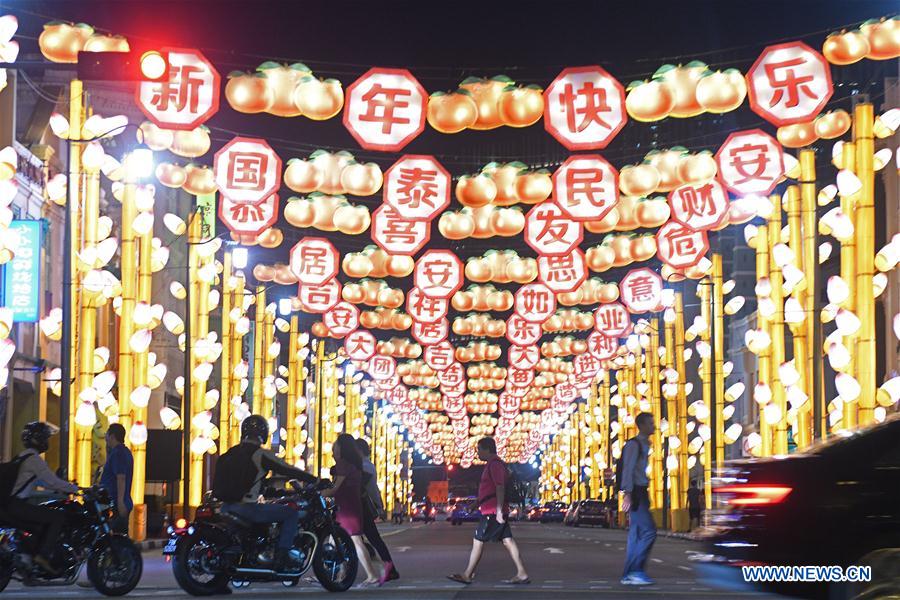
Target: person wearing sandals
{"type": "Point", "coordinates": [493, 525]}
{"type": "Point", "coordinates": [347, 493]}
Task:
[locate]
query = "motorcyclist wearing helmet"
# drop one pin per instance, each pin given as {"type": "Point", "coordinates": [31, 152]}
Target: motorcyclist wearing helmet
{"type": "Point", "coordinates": [33, 472]}
{"type": "Point", "coordinates": [240, 488]}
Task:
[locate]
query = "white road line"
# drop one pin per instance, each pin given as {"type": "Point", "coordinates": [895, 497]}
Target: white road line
{"type": "Point", "coordinates": [601, 587]}
{"type": "Point", "coordinates": [683, 568]}
{"type": "Point", "coordinates": [656, 560]}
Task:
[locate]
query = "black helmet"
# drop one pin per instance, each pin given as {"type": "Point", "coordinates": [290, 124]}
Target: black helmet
{"type": "Point", "coordinates": [255, 426]}
{"type": "Point", "coordinates": [37, 434]}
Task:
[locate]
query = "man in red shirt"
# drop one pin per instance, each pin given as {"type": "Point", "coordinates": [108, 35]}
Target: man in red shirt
{"type": "Point", "coordinates": [493, 525]}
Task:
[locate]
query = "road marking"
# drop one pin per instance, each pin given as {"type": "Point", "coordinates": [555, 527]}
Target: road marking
{"type": "Point", "coordinates": [554, 551]}
{"type": "Point", "coordinates": [683, 568]}
{"type": "Point", "coordinates": [402, 548]}
{"type": "Point", "coordinates": [553, 581]}
{"type": "Point", "coordinates": [607, 545]}
{"type": "Point", "coordinates": [656, 560]}
{"type": "Point", "coordinates": [601, 587]}
{"type": "Point", "coordinates": [598, 581]}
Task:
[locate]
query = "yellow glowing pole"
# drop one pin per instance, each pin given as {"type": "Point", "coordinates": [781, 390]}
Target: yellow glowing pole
{"type": "Point", "coordinates": [652, 376]}
{"type": "Point", "coordinates": [201, 318]}
{"type": "Point", "coordinates": [594, 430]}
{"type": "Point", "coordinates": [227, 367]}
{"type": "Point", "coordinates": [87, 318]}
{"type": "Point", "coordinates": [671, 414]}
{"type": "Point", "coordinates": [718, 351]}
{"type": "Point", "coordinates": [705, 292]}
{"type": "Point", "coordinates": [798, 331]}
{"type": "Point", "coordinates": [776, 328]}
{"type": "Point", "coordinates": [258, 349]}
{"type": "Point", "coordinates": [761, 244]}
{"type": "Point", "coordinates": [268, 360]}
{"type": "Point", "coordinates": [76, 120]}
{"type": "Point", "coordinates": [603, 427]}
{"type": "Point", "coordinates": [848, 275]}
{"type": "Point", "coordinates": [863, 121]}
{"type": "Point", "coordinates": [237, 355]}
{"type": "Point", "coordinates": [141, 363]}
{"type": "Point", "coordinates": [681, 402]}
{"type": "Point", "coordinates": [128, 366]}
{"type": "Point", "coordinates": [808, 203]}
{"type": "Point", "coordinates": [295, 366]}
{"type": "Point", "coordinates": [320, 406]}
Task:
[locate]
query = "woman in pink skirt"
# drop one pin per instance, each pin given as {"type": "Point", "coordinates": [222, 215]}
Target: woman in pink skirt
{"type": "Point", "coordinates": [347, 493]}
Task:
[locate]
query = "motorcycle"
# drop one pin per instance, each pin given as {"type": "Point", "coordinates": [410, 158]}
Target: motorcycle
{"type": "Point", "coordinates": [114, 564]}
{"type": "Point", "coordinates": [218, 547]}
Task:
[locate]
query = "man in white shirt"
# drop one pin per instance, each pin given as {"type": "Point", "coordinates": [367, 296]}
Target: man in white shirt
{"type": "Point", "coordinates": [34, 472]}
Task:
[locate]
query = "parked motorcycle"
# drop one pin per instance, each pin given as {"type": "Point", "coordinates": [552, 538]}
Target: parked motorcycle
{"type": "Point", "coordinates": [220, 547]}
{"type": "Point", "coordinates": [114, 564]}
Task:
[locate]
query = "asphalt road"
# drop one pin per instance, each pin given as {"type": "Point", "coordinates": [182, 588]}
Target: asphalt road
{"type": "Point", "coordinates": [563, 562]}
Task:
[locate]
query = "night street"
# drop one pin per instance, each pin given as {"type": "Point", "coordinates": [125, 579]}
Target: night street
{"type": "Point", "coordinates": [563, 562]}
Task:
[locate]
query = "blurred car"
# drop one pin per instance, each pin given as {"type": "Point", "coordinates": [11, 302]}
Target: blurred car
{"type": "Point", "coordinates": [589, 512]}
{"type": "Point", "coordinates": [418, 512]}
{"type": "Point", "coordinates": [464, 511]}
{"type": "Point", "coordinates": [836, 503]}
{"type": "Point", "coordinates": [534, 513]}
{"type": "Point", "coordinates": [553, 512]}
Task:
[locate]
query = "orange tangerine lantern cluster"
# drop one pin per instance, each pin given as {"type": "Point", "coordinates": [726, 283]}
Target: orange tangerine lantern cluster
{"type": "Point", "coordinates": [482, 298]}
{"type": "Point", "coordinates": [477, 351]}
{"type": "Point", "coordinates": [372, 292]}
{"type": "Point", "coordinates": [481, 103]}
{"type": "Point", "coordinates": [399, 348]}
{"type": "Point", "coordinates": [372, 261]}
{"type": "Point", "coordinates": [683, 91]}
{"type": "Point", "coordinates": [333, 173]}
{"type": "Point", "coordinates": [385, 318]}
{"type": "Point", "coordinates": [504, 266]}
{"type": "Point", "coordinates": [875, 39]}
{"type": "Point", "coordinates": [284, 91]}
{"type": "Point", "coordinates": [327, 213]}
{"type": "Point", "coordinates": [60, 42]}
{"type": "Point", "coordinates": [481, 223]}
{"type": "Point", "coordinates": [479, 325]}
{"type": "Point", "coordinates": [189, 143]}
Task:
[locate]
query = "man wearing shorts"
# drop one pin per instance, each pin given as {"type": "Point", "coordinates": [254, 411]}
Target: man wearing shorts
{"type": "Point", "coordinates": [493, 526]}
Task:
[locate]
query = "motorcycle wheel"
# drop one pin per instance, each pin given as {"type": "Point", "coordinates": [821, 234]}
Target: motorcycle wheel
{"type": "Point", "coordinates": [6, 571]}
{"type": "Point", "coordinates": [115, 566]}
{"type": "Point", "coordinates": [335, 562]}
{"type": "Point", "coordinates": [192, 579]}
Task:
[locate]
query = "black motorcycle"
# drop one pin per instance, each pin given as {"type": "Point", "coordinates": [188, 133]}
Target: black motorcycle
{"type": "Point", "coordinates": [114, 564]}
{"type": "Point", "coordinates": [219, 547]}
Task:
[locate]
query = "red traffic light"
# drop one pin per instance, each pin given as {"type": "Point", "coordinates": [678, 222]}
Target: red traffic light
{"type": "Point", "coordinates": [153, 65]}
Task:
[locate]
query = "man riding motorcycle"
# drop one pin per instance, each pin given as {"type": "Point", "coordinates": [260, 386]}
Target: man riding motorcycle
{"type": "Point", "coordinates": [34, 471]}
{"type": "Point", "coordinates": [239, 485]}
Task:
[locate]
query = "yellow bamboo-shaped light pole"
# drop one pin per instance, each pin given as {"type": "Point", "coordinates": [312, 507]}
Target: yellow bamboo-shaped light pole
{"type": "Point", "coordinates": [718, 355]}
{"type": "Point", "coordinates": [776, 329]}
{"type": "Point", "coordinates": [803, 434]}
{"type": "Point", "coordinates": [652, 377]}
{"type": "Point", "coordinates": [761, 244]}
{"type": "Point", "coordinates": [240, 303]}
{"type": "Point", "coordinates": [295, 368]}
{"type": "Point", "coordinates": [848, 275]}
{"type": "Point", "coordinates": [267, 409]}
{"type": "Point", "coordinates": [863, 137]}
{"type": "Point", "coordinates": [808, 218]}
{"type": "Point", "coordinates": [603, 426]}
{"type": "Point", "coordinates": [681, 415]}
{"type": "Point", "coordinates": [704, 290]}
{"type": "Point", "coordinates": [259, 349]}
{"type": "Point", "coordinates": [671, 414]}
{"type": "Point", "coordinates": [87, 320]}
{"type": "Point", "coordinates": [593, 426]}
{"type": "Point", "coordinates": [200, 325]}
{"type": "Point", "coordinates": [225, 441]}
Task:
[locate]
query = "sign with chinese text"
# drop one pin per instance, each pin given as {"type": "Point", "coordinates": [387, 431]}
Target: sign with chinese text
{"type": "Point", "coordinates": [247, 170]}
{"type": "Point", "coordinates": [702, 206]}
{"type": "Point", "coordinates": [314, 261]}
{"type": "Point", "coordinates": [341, 319]}
{"type": "Point", "coordinates": [248, 219]}
{"type": "Point", "coordinates": [431, 333]}
{"type": "Point", "coordinates": [188, 97]}
{"type": "Point", "coordinates": [750, 162]}
{"type": "Point", "coordinates": [360, 345]}
{"type": "Point", "coordinates": [438, 273]}
{"type": "Point", "coordinates": [679, 245]}
{"type": "Point", "coordinates": [641, 290]}
{"type": "Point", "coordinates": [521, 332]}
{"type": "Point", "coordinates": [396, 235]}
{"type": "Point", "coordinates": [585, 108]}
{"type": "Point", "coordinates": [425, 309]}
{"type": "Point", "coordinates": [550, 232]}
{"type": "Point", "coordinates": [586, 187]}
{"type": "Point", "coordinates": [612, 319]}
{"type": "Point", "coordinates": [535, 302]}
{"type": "Point", "coordinates": [418, 187]}
{"type": "Point", "coordinates": [789, 83]}
{"type": "Point", "coordinates": [22, 275]}
{"type": "Point", "coordinates": [319, 298]}
{"type": "Point", "coordinates": [385, 109]}
{"type": "Point", "coordinates": [206, 207]}
{"type": "Point", "coordinates": [563, 273]}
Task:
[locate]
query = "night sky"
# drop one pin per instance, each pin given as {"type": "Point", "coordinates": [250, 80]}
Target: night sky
{"type": "Point", "coordinates": [442, 43]}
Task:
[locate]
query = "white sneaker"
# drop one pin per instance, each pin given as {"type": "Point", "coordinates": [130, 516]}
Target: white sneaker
{"type": "Point", "coordinates": [627, 580]}
{"type": "Point", "coordinates": [640, 579]}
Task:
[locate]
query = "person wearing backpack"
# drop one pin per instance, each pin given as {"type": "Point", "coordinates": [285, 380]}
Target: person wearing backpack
{"type": "Point", "coordinates": [238, 483]}
{"type": "Point", "coordinates": [636, 502]}
{"type": "Point", "coordinates": [30, 471]}
{"type": "Point", "coordinates": [494, 495]}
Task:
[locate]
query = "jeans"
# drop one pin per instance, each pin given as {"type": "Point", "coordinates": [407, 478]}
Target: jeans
{"type": "Point", "coordinates": [641, 532]}
{"type": "Point", "coordinates": [286, 517]}
{"type": "Point", "coordinates": [370, 530]}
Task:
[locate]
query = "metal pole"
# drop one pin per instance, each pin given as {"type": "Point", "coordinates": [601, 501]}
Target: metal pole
{"type": "Point", "coordinates": [188, 374]}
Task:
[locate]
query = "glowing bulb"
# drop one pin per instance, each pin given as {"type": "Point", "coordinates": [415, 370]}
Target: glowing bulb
{"type": "Point", "coordinates": [762, 394]}
{"type": "Point", "coordinates": [138, 434]}
{"type": "Point", "coordinates": [772, 413]}
{"type": "Point", "coordinates": [763, 287]}
{"type": "Point", "coordinates": [847, 322]}
{"type": "Point", "coordinates": [824, 252]}
{"type": "Point", "coordinates": [837, 290]}
{"type": "Point", "coordinates": [848, 387]}
{"type": "Point", "coordinates": [140, 396]}
{"type": "Point", "coordinates": [734, 391]}
{"type": "Point", "coordinates": [848, 183]}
